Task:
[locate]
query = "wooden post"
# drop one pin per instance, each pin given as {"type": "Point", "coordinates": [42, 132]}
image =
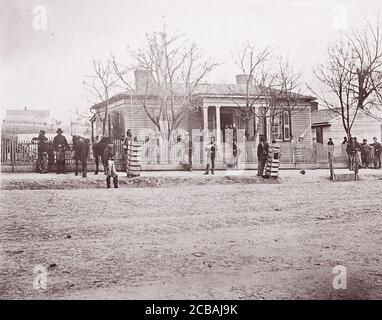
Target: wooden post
{"type": "Point", "coordinates": [330, 159]}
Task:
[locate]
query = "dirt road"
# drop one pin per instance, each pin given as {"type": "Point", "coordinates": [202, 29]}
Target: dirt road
{"type": "Point", "coordinates": [228, 241]}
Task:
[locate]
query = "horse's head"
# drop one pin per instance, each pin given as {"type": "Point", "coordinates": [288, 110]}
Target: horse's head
{"type": "Point", "coordinates": [76, 140]}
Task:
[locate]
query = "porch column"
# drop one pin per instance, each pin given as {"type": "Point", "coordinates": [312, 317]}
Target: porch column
{"type": "Point", "coordinates": [218, 129]}
{"type": "Point", "coordinates": [205, 123]}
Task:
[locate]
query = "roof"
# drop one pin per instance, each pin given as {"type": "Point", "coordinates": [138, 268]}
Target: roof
{"type": "Point", "coordinates": [324, 116]}
{"type": "Point", "coordinates": [203, 90]}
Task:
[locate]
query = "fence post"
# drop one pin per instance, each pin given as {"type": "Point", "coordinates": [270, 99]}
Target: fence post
{"type": "Point", "coordinates": [13, 154]}
{"type": "Point", "coordinates": [293, 153]}
{"type": "Point", "coordinates": [330, 159]}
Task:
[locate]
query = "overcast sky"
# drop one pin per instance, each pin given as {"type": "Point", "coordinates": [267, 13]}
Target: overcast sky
{"type": "Point", "coordinates": [44, 68]}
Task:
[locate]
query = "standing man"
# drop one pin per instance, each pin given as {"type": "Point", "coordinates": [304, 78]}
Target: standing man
{"type": "Point", "coordinates": [125, 147]}
{"type": "Point", "coordinates": [352, 150]}
{"type": "Point", "coordinates": [262, 155]}
{"type": "Point", "coordinates": [344, 148]}
{"type": "Point", "coordinates": [60, 146]}
{"type": "Point", "coordinates": [211, 149]}
{"type": "Point", "coordinates": [111, 171]}
{"type": "Point", "coordinates": [330, 142]}
{"type": "Point", "coordinates": [42, 152]}
{"type": "Point", "coordinates": [377, 153]}
{"type": "Point", "coordinates": [365, 153]}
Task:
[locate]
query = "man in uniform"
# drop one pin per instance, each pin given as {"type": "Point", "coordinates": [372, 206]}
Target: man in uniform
{"type": "Point", "coordinates": [262, 155]}
{"type": "Point", "coordinates": [42, 152]}
{"type": "Point", "coordinates": [125, 147]}
{"type": "Point", "coordinates": [109, 156]}
{"type": "Point", "coordinates": [60, 146]}
{"type": "Point", "coordinates": [377, 153]}
{"type": "Point", "coordinates": [365, 153]}
{"type": "Point", "coordinates": [352, 149]}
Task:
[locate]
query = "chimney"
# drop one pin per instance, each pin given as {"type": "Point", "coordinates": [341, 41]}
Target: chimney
{"type": "Point", "coordinates": [243, 79]}
{"type": "Point", "coordinates": [142, 77]}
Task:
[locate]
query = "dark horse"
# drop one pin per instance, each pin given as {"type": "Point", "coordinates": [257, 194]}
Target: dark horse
{"type": "Point", "coordinates": [98, 152]}
{"type": "Point", "coordinates": [81, 147]}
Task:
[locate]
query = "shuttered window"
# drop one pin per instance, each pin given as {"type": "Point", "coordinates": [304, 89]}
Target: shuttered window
{"type": "Point", "coordinates": [281, 127]}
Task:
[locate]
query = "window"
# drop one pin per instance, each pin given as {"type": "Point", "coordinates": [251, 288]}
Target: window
{"type": "Point", "coordinates": [277, 127]}
{"type": "Point", "coordinates": [281, 126]}
{"type": "Point", "coordinates": [286, 126]}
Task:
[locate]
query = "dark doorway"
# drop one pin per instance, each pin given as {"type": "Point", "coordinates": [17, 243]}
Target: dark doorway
{"type": "Point", "coordinates": [226, 122]}
{"type": "Point", "coordinates": [319, 136]}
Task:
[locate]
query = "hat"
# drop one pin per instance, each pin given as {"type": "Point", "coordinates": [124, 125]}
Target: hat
{"type": "Point", "coordinates": [59, 130]}
{"type": "Point", "coordinates": [42, 132]}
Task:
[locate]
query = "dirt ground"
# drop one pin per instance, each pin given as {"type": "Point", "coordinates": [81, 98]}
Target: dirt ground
{"type": "Point", "coordinates": [209, 239]}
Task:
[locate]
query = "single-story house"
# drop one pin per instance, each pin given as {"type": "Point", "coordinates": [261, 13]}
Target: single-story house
{"type": "Point", "coordinates": [216, 107]}
{"type": "Point", "coordinates": [328, 124]}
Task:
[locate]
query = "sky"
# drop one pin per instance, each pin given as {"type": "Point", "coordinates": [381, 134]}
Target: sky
{"type": "Point", "coordinates": [43, 62]}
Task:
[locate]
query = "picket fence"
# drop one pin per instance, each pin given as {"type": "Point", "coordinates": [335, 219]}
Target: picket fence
{"type": "Point", "coordinates": [14, 152]}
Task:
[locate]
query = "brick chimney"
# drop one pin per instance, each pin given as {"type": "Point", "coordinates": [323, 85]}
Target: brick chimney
{"type": "Point", "coordinates": [243, 79]}
{"type": "Point", "coordinates": [142, 77]}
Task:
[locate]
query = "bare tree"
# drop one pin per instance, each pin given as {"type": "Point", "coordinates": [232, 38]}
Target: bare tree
{"type": "Point", "coordinates": [351, 77]}
{"type": "Point", "coordinates": [174, 68]}
{"type": "Point", "coordinates": [275, 90]}
{"type": "Point", "coordinates": [100, 85]}
{"type": "Point", "coordinates": [287, 95]}
{"type": "Point", "coordinates": [251, 60]}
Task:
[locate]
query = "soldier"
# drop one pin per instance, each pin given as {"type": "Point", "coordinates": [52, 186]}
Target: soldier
{"type": "Point", "coordinates": [109, 157]}
{"type": "Point", "coordinates": [60, 146]}
{"type": "Point", "coordinates": [262, 155]}
{"type": "Point", "coordinates": [353, 148]}
{"type": "Point", "coordinates": [365, 153]}
{"type": "Point", "coordinates": [377, 153]}
{"type": "Point", "coordinates": [211, 149]}
{"type": "Point", "coordinates": [125, 147]}
{"type": "Point", "coordinates": [42, 152]}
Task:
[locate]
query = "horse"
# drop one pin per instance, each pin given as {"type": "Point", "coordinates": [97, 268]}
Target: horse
{"type": "Point", "coordinates": [98, 151]}
{"type": "Point", "coordinates": [81, 147]}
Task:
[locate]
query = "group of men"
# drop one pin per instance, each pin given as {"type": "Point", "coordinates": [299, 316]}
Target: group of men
{"type": "Point", "coordinates": [60, 146]}
{"type": "Point", "coordinates": [369, 153]}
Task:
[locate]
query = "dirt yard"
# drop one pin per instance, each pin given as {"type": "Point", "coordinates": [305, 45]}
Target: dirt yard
{"type": "Point", "coordinates": [203, 240]}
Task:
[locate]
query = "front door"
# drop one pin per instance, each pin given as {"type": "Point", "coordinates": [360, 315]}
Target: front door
{"type": "Point", "coordinates": [226, 122]}
{"type": "Point", "coordinates": [319, 136]}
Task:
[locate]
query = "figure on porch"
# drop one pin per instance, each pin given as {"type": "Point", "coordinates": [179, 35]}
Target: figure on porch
{"type": "Point", "coordinates": [211, 149]}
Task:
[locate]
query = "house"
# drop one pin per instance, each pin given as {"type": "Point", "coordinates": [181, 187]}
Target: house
{"type": "Point", "coordinates": [215, 110]}
{"type": "Point", "coordinates": [328, 124]}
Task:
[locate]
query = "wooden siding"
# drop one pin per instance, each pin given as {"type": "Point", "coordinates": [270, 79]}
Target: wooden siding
{"type": "Point", "coordinates": [301, 121]}
{"type": "Point", "coordinates": [364, 127]}
{"type": "Point", "coordinates": [135, 118]}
